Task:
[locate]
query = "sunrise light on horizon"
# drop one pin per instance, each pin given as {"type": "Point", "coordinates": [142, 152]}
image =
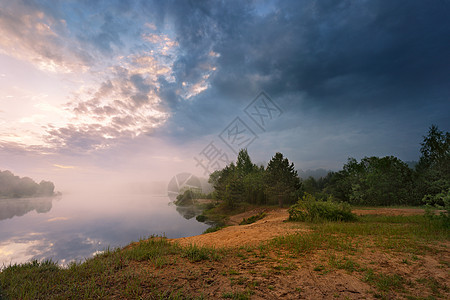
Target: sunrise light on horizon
{"type": "Point", "coordinates": [141, 87]}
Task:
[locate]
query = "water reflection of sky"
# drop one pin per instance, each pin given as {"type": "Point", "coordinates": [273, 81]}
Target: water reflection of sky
{"type": "Point", "coordinates": [74, 227]}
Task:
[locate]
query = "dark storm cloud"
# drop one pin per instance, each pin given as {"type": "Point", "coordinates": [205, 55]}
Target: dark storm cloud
{"type": "Point", "coordinates": [336, 59]}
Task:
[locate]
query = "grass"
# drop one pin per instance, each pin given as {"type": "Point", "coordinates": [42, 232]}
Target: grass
{"type": "Point", "coordinates": [101, 275]}
{"type": "Point", "coordinates": [384, 282]}
{"type": "Point", "coordinates": [158, 269]}
{"type": "Point", "coordinates": [410, 234]}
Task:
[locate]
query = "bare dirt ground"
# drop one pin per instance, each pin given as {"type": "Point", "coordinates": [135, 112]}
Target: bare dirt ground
{"type": "Point", "coordinates": [367, 272]}
{"type": "Point", "coordinates": [271, 226]}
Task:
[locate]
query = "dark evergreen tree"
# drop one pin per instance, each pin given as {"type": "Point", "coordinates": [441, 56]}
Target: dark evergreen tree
{"type": "Point", "coordinates": [281, 179]}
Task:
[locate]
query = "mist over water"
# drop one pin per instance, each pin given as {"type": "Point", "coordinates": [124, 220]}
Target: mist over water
{"type": "Point", "coordinates": [75, 226]}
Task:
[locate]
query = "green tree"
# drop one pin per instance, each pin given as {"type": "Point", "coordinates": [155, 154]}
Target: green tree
{"type": "Point", "coordinates": [433, 169]}
{"type": "Point", "coordinates": [374, 181]}
{"type": "Point", "coordinates": [244, 164]}
{"type": "Point", "coordinates": [281, 179]}
{"type": "Point", "coordinates": [254, 186]}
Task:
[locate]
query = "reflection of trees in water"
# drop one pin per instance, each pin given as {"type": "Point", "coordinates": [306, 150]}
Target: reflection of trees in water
{"type": "Point", "coordinates": [18, 207]}
{"type": "Point", "coordinates": [188, 212]}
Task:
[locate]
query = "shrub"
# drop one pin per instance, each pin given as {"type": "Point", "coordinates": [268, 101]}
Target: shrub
{"type": "Point", "coordinates": [201, 218]}
{"type": "Point", "coordinates": [441, 202]}
{"type": "Point", "coordinates": [309, 209]}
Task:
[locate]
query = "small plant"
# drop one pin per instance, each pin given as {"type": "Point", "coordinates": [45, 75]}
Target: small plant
{"type": "Point", "coordinates": [310, 209]}
{"type": "Point", "coordinates": [237, 295]}
{"type": "Point", "coordinates": [195, 253]}
{"type": "Point", "coordinates": [253, 219]}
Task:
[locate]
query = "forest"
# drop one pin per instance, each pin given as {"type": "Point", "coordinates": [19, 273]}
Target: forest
{"type": "Point", "coordinates": [374, 181]}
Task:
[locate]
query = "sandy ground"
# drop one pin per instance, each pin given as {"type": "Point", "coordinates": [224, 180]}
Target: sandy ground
{"type": "Point", "coordinates": [271, 226]}
{"type": "Point", "coordinates": [281, 275]}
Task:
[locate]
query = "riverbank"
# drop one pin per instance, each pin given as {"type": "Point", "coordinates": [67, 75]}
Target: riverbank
{"type": "Point", "coordinates": [387, 253]}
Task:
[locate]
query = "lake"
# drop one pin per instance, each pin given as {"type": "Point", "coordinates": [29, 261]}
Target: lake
{"type": "Point", "coordinates": [74, 226]}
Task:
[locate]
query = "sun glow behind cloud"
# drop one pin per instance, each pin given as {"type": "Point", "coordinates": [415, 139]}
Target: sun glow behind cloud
{"type": "Point", "coordinates": [105, 97]}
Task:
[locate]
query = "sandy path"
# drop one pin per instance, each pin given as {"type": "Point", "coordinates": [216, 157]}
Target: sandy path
{"type": "Point", "coordinates": [252, 234]}
{"type": "Point", "coordinates": [271, 226]}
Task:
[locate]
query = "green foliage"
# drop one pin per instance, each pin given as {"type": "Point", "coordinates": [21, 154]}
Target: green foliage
{"type": "Point", "coordinates": [309, 209]}
{"type": "Point", "coordinates": [440, 202]}
{"type": "Point", "coordinates": [253, 219]}
{"type": "Point", "coordinates": [281, 179]}
{"type": "Point", "coordinates": [201, 218]}
{"type": "Point", "coordinates": [374, 181]}
{"type": "Point", "coordinates": [433, 169]}
{"type": "Point", "coordinates": [246, 182]}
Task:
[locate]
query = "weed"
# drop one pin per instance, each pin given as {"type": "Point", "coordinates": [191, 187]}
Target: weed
{"type": "Point", "coordinates": [195, 253]}
{"type": "Point", "coordinates": [344, 263]}
{"type": "Point", "coordinates": [319, 268]}
{"type": "Point", "coordinates": [384, 282]}
{"type": "Point", "coordinates": [237, 295]}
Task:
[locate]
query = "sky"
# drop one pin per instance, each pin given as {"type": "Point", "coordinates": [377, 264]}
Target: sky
{"type": "Point", "coordinates": [100, 92]}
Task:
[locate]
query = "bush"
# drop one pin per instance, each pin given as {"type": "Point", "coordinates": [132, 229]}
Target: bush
{"type": "Point", "coordinates": [201, 218]}
{"type": "Point", "coordinates": [309, 209]}
{"type": "Point", "coordinates": [441, 202]}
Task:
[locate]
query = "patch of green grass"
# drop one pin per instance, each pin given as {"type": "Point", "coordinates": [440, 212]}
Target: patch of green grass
{"type": "Point", "coordinates": [302, 243]}
{"type": "Point", "coordinates": [319, 268]}
{"type": "Point", "coordinates": [344, 263]}
{"type": "Point", "coordinates": [237, 295]}
{"type": "Point", "coordinates": [253, 219]}
{"type": "Point", "coordinates": [410, 234]}
{"type": "Point", "coordinates": [150, 249]}
{"type": "Point", "coordinates": [384, 282]}
{"type": "Point", "coordinates": [195, 253]}
{"type": "Point", "coordinates": [102, 276]}
{"type": "Point", "coordinates": [435, 286]}
{"type": "Point", "coordinates": [284, 267]}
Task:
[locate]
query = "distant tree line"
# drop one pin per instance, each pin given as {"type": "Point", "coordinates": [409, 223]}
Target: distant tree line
{"type": "Point", "coordinates": [12, 186]}
{"type": "Point", "coordinates": [370, 181]}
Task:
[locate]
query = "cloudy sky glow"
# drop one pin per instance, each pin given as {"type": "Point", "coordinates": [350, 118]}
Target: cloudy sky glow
{"type": "Point", "coordinates": [141, 87]}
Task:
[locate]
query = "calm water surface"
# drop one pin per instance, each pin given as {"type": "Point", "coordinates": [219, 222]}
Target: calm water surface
{"type": "Point", "coordinates": [75, 227]}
